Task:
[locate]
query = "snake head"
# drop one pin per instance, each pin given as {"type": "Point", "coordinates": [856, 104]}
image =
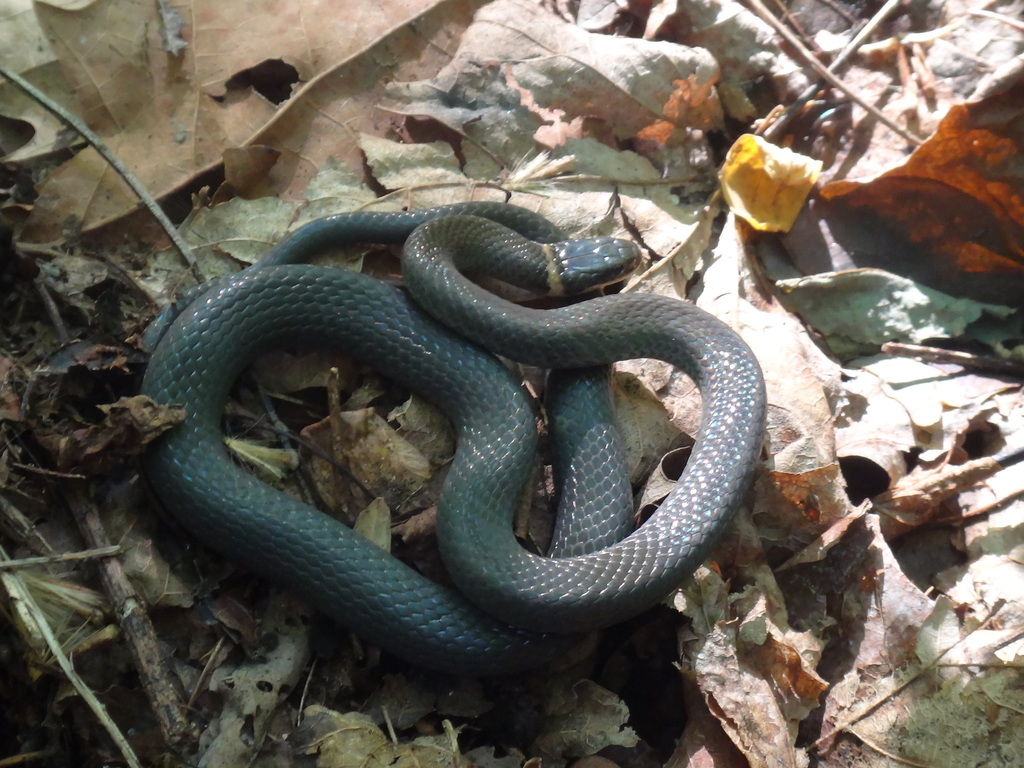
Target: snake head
{"type": "Point", "coordinates": [578, 266]}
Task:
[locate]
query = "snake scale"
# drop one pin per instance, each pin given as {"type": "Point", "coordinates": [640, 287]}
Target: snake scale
{"type": "Point", "coordinates": [512, 608]}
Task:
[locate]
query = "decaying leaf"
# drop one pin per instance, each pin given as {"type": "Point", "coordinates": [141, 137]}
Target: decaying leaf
{"type": "Point", "coordinates": [951, 217]}
{"type": "Point", "coordinates": [382, 460]}
{"type": "Point", "coordinates": [374, 524]}
{"type": "Point", "coordinates": [915, 499]}
{"type": "Point", "coordinates": [251, 691]}
{"type": "Point", "coordinates": [164, 128]}
{"type": "Point", "coordinates": [26, 49]}
{"type": "Point", "coordinates": [129, 425]}
{"type": "Point", "coordinates": [584, 723]}
{"type": "Point", "coordinates": [638, 88]}
{"type": "Point", "coordinates": [792, 509]}
{"type": "Point", "coordinates": [275, 463]}
{"type": "Point", "coordinates": [900, 697]}
{"type": "Point", "coordinates": [351, 740]}
{"type": "Point", "coordinates": [643, 422]}
{"type": "Point", "coordinates": [10, 408]}
{"type": "Point", "coordinates": [401, 701]}
{"type": "Point", "coordinates": [863, 308]}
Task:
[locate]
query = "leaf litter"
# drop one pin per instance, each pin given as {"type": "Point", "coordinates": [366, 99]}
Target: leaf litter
{"type": "Point", "coordinates": [864, 609]}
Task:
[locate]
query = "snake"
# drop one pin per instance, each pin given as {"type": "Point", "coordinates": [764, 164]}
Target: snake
{"type": "Point", "coordinates": [508, 608]}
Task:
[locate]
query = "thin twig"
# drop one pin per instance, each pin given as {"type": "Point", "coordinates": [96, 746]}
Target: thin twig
{"type": "Point", "coordinates": [28, 758]}
{"type": "Point", "coordinates": [965, 359]}
{"type": "Point", "coordinates": [43, 289]}
{"type": "Point", "coordinates": [47, 472]}
{"type": "Point", "coordinates": [826, 75]}
{"type": "Point", "coordinates": [87, 554]}
{"type": "Point", "coordinates": [912, 677]}
{"type": "Point", "coordinates": [1015, 23]}
{"type": "Point", "coordinates": [29, 611]}
{"type": "Point", "coordinates": [76, 124]}
{"type": "Point", "coordinates": [984, 509]}
{"type": "Point", "coordinates": [891, 755]}
{"type": "Point", "coordinates": [709, 208]}
{"type": "Point", "coordinates": [158, 682]}
{"type": "Point", "coordinates": [212, 662]}
{"type": "Point", "coordinates": [866, 31]}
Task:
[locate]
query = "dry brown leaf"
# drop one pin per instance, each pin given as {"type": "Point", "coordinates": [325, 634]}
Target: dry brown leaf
{"type": "Point", "coordinates": [792, 509]}
{"type": "Point", "coordinates": [583, 723]}
{"type": "Point", "coordinates": [746, 48]}
{"type": "Point", "coordinates": [894, 701]}
{"type": "Point", "coordinates": [757, 672]}
{"type": "Point", "coordinates": [10, 403]}
{"type": "Point", "coordinates": [643, 422]}
{"type": "Point", "coordinates": [703, 744]}
{"type": "Point", "coordinates": [352, 740]}
{"type": "Point", "coordinates": [950, 217]}
{"type": "Point", "coordinates": [128, 426]}
{"type": "Point", "coordinates": [503, 89]}
{"type": "Point", "coordinates": [250, 693]}
{"type": "Point", "coordinates": [914, 500]}
{"type": "Point", "coordinates": [383, 461]}
{"type": "Point", "coordinates": [170, 117]}
{"type": "Point", "coordinates": [743, 702]}
{"type": "Point", "coordinates": [326, 119]}
{"type": "Point", "coordinates": [30, 130]}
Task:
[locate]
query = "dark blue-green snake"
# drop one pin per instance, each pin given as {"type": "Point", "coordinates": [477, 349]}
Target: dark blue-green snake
{"type": "Point", "coordinates": [512, 608]}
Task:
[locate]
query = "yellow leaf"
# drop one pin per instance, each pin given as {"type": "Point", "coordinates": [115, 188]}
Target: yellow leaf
{"type": "Point", "coordinates": [765, 184]}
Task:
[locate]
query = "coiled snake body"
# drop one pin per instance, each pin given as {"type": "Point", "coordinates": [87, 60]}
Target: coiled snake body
{"type": "Point", "coordinates": [528, 600]}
